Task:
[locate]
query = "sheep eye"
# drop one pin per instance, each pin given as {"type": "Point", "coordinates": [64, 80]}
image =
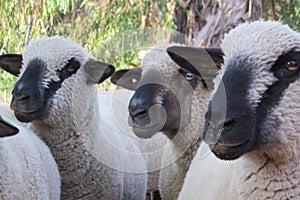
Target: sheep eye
{"type": "Point", "coordinates": [71, 68]}
{"type": "Point", "coordinates": [189, 76]}
{"type": "Point", "coordinates": [291, 65]}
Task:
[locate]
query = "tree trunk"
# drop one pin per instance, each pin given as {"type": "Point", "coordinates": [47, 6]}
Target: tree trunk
{"type": "Point", "coordinates": [204, 22]}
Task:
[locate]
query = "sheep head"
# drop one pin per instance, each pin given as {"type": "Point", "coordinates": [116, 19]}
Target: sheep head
{"type": "Point", "coordinates": [163, 89]}
{"type": "Point", "coordinates": [47, 65]}
{"type": "Point", "coordinates": [256, 87]}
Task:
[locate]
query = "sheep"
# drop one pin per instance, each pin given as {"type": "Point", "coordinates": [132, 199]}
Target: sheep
{"type": "Point", "coordinates": [169, 99]}
{"type": "Point", "coordinates": [28, 169]}
{"type": "Point", "coordinates": [57, 93]}
{"type": "Point", "coordinates": [150, 148]}
{"type": "Point", "coordinates": [255, 144]}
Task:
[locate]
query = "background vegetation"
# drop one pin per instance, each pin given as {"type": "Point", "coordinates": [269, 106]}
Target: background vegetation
{"type": "Point", "coordinates": [95, 24]}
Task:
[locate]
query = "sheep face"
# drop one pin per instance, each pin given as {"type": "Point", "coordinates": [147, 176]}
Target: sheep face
{"type": "Point", "coordinates": [256, 81]}
{"type": "Point", "coordinates": [163, 92]}
{"type": "Point", "coordinates": [49, 70]}
{"type": "Point", "coordinates": [7, 129]}
{"type": "Point", "coordinates": [157, 106]}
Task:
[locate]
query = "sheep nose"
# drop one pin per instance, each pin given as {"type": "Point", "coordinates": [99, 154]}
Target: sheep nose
{"type": "Point", "coordinates": [19, 93]}
{"type": "Point", "coordinates": [145, 97]}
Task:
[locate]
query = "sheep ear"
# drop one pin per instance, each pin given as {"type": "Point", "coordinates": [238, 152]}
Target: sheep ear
{"type": "Point", "coordinates": [6, 129]}
{"type": "Point", "coordinates": [203, 62]}
{"type": "Point", "coordinates": [127, 78]}
{"type": "Point", "coordinates": [98, 71]}
{"type": "Point", "coordinates": [12, 63]}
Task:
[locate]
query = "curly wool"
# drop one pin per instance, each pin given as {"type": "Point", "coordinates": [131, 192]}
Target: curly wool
{"type": "Point", "coordinates": [28, 169]}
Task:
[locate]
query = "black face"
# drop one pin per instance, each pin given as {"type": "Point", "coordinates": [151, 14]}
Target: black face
{"type": "Point", "coordinates": [155, 108]}
{"type": "Point", "coordinates": [31, 100]}
{"type": "Point", "coordinates": [240, 128]}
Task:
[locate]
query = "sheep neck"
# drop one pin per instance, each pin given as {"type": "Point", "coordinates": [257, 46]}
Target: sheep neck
{"type": "Point", "coordinates": [267, 177]}
{"type": "Point", "coordinates": [70, 137]}
{"type": "Point", "coordinates": [184, 146]}
{"type": "Point", "coordinates": [188, 137]}
{"type": "Point", "coordinates": [63, 123]}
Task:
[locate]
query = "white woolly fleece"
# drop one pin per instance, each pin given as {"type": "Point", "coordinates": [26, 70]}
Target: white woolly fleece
{"type": "Point", "coordinates": [27, 168]}
{"type": "Point", "coordinates": [151, 148]}
{"type": "Point", "coordinates": [271, 172]}
{"type": "Point", "coordinates": [177, 154]}
{"type": "Point", "coordinates": [95, 159]}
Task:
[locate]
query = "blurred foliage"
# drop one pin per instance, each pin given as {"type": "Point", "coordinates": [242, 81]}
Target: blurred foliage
{"type": "Point", "coordinates": [289, 12]}
{"type": "Point", "coordinates": [112, 30]}
{"type": "Point", "coordinates": [90, 23]}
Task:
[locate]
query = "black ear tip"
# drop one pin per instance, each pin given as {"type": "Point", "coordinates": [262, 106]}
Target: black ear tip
{"type": "Point", "coordinates": [15, 131]}
{"type": "Point", "coordinates": [7, 129]}
{"type": "Point", "coordinates": [117, 75]}
{"type": "Point", "coordinates": [110, 70]}
{"type": "Point", "coordinates": [114, 78]}
{"type": "Point", "coordinates": [11, 63]}
{"type": "Point", "coordinates": [171, 50]}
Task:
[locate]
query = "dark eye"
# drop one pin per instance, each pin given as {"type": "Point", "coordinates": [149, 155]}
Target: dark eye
{"type": "Point", "coordinates": [189, 76]}
{"type": "Point", "coordinates": [71, 68]}
{"type": "Point", "coordinates": [291, 65]}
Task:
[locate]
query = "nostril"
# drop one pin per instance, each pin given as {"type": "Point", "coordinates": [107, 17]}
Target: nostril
{"type": "Point", "coordinates": [21, 93]}
{"type": "Point", "coordinates": [23, 97]}
{"type": "Point", "coordinates": [229, 123]}
{"type": "Point", "coordinates": [138, 112]}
